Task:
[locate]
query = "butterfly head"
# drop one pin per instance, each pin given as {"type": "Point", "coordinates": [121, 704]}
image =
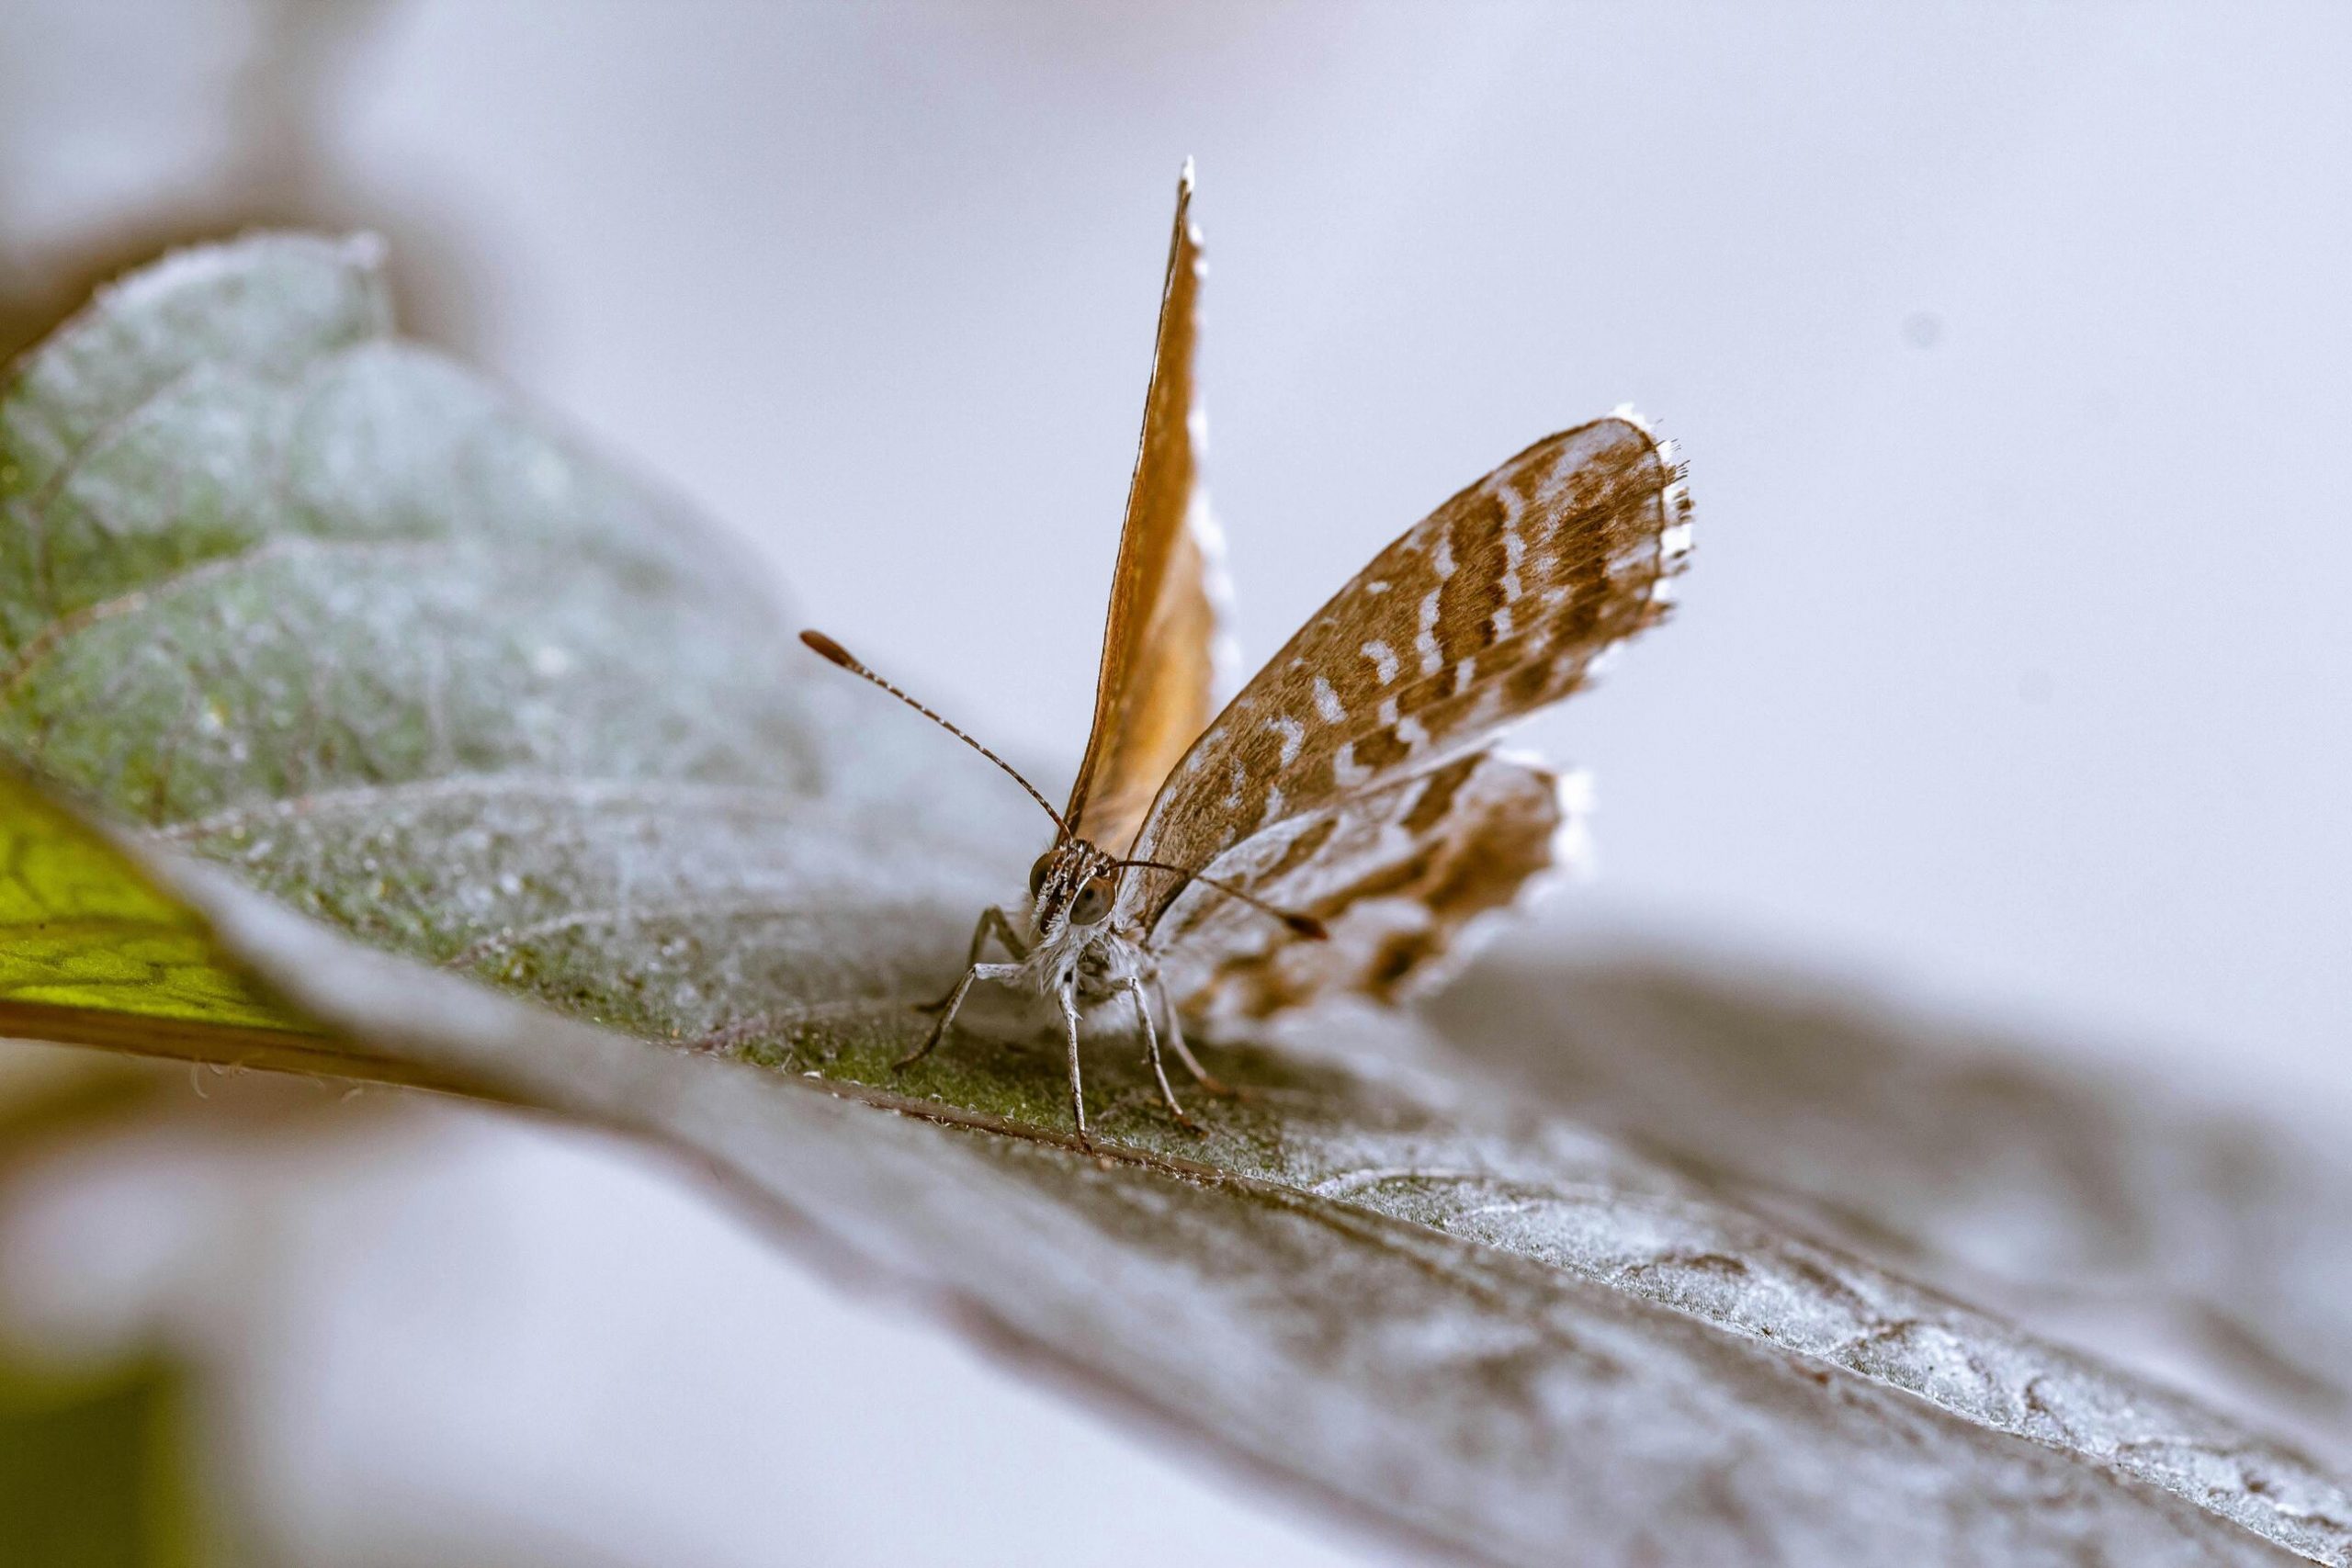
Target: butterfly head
{"type": "Point", "coordinates": [1073, 884]}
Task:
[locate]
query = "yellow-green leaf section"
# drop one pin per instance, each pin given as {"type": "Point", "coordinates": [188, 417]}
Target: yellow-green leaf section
{"type": "Point", "coordinates": [91, 950]}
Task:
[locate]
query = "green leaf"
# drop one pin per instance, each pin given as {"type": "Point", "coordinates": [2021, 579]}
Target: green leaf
{"type": "Point", "coordinates": [94, 1470]}
{"type": "Point", "coordinates": [77, 935]}
{"type": "Point", "coordinates": [406, 693]}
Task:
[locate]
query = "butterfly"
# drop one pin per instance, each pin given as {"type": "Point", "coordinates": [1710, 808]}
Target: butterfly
{"type": "Point", "coordinates": [1331, 828]}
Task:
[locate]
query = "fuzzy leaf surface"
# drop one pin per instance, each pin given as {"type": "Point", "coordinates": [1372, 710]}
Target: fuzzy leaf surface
{"type": "Point", "coordinates": [507, 774]}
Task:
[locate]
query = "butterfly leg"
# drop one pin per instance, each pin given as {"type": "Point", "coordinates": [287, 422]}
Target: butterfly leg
{"type": "Point", "coordinates": [997, 972]}
{"type": "Point", "coordinates": [1205, 1079]}
{"type": "Point", "coordinates": [1077, 1087]}
{"type": "Point", "coordinates": [1151, 1043]}
{"type": "Point", "coordinates": [992, 920]}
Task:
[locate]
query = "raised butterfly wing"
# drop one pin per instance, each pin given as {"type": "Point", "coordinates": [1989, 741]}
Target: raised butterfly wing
{"type": "Point", "coordinates": [1394, 873]}
{"type": "Point", "coordinates": [1496, 605]}
{"type": "Point", "coordinates": [1157, 684]}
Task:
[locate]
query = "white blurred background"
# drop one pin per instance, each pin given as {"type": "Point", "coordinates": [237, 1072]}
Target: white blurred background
{"type": "Point", "coordinates": [2009, 346]}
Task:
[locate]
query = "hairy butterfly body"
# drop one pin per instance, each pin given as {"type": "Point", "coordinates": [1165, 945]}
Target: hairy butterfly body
{"type": "Point", "coordinates": [1332, 827]}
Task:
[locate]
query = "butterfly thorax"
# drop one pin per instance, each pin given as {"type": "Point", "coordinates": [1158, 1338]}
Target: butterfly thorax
{"type": "Point", "coordinates": [1073, 889]}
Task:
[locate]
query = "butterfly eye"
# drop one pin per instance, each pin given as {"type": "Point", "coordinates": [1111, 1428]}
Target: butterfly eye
{"type": "Point", "coordinates": [1037, 872]}
{"type": "Point", "coordinates": [1093, 902]}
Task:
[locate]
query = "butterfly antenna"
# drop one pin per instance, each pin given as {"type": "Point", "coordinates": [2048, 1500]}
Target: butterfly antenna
{"type": "Point", "coordinates": [1304, 925]}
{"type": "Point", "coordinates": [837, 654]}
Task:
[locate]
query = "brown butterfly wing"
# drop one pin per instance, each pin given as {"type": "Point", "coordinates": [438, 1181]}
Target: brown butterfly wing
{"type": "Point", "coordinates": [1157, 686]}
{"type": "Point", "coordinates": [1394, 874]}
{"type": "Point", "coordinates": [1496, 605]}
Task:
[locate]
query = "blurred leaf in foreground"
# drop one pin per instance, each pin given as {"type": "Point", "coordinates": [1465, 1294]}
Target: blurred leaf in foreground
{"type": "Point", "coordinates": [92, 1470]}
{"type": "Point", "coordinates": [312, 612]}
